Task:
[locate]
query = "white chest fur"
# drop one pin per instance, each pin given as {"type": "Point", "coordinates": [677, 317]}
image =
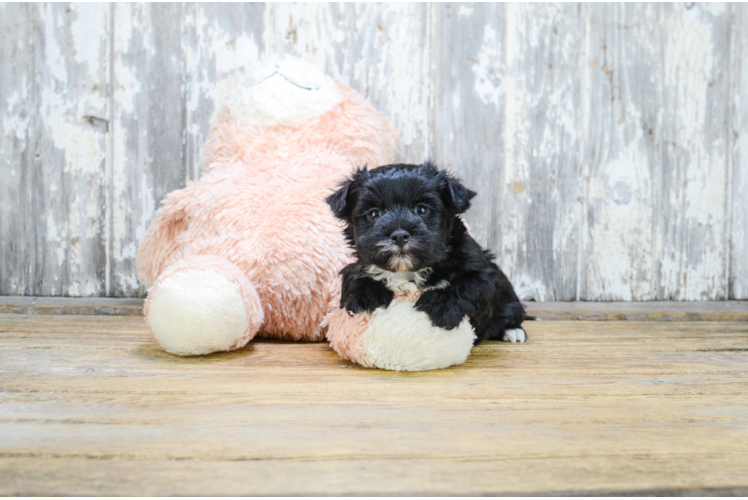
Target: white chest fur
{"type": "Point", "coordinates": [405, 281]}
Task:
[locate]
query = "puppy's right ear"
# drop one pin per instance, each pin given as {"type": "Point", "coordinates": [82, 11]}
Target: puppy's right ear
{"type": "Point", "coordinates": [339, 201]}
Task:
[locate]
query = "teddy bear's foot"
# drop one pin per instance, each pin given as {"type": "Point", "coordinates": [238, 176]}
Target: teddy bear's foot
{"type": "Point", "coordinates": [398, 338]}
{"type": "Point", "coordinates": [201, 305]}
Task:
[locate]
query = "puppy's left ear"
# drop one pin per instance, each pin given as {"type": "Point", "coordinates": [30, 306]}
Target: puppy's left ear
{"type": "Point", "coordinates": [459, 195]}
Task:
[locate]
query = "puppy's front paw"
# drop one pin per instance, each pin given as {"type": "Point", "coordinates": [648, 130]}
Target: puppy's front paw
{"type": "Point", "coordinates": [515, 335]}
{"type": "Point", "coordinates": [367, 299]}
{"type": "Point", "coordinates": [443, 310]}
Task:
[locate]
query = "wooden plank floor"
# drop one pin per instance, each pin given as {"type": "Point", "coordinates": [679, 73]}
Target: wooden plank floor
{"type": "Point", "coordinates": [89, 406]}
{"type": "Point", "coordinates": [722, 310]}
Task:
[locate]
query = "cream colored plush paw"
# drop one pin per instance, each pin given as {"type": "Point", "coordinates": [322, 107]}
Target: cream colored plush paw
{"type": "Point", "coordinates": [398, 338]}
{"type": "Point", "coordinates": [201, 307]}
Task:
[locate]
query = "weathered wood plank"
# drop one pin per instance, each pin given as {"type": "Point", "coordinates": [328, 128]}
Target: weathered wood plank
{"type": "Point", "coordinates": [468, 60]}
{"type": "Point", "coordinates": [621, 147]}
{"type": "Point", "coordinates": [56, 80]}
{"type": "Point", "coordinates": [585, 311]}
{"type": "Point", "coordinates": [691, 240]}
{"type": "Point", "coordinates": [108, 107]}
{"type": "Point", "coordinates": [219, 40]}
{"type": "Point", "coordinates": [72, 61]}
{"type": "Point", "coordinates": [168, 61]}
{"type": "Point", "coordinates": [91, 406]}
{"type": "Point", "coordinates": [380, 50]}
{"type": "Point", "coordinates": [539, 212]}
{"type": "Point", "coordinates": [641, 311]}
{"type": "Point", "coordinates": [70, 305]}
{"type": "Point", "coordinates": [73, 79]}
{"type": "Point", "coordinates": [739, 181]}
{"type": "Point", "coordinates": [46, 477]}
{"type": "Point", "coordinates": [148, 131]}
{"type": "Point", "coordinates": [18, 148]}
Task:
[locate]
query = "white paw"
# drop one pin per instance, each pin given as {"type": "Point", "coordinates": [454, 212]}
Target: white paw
{"type": "Point", "coordinates": [515, 335]}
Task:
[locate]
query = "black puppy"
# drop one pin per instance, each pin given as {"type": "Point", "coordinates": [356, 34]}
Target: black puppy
{"type": "Point", "coordinates": [403, 222]}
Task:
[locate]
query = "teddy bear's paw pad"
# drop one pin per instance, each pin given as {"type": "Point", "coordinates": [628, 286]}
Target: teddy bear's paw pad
{"type": "Point", "coordinates": [515, 335]}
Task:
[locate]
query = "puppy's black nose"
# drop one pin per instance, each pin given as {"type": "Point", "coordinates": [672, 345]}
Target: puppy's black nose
{"type": "Point", "coordinates": [400, 237]}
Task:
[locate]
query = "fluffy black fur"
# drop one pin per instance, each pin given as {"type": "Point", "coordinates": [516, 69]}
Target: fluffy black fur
{"type": "Point", "coordinates": [404, 218]}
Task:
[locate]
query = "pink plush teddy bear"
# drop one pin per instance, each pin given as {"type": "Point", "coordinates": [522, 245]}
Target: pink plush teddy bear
{"type": "Point", "coordinates": [252, 247]}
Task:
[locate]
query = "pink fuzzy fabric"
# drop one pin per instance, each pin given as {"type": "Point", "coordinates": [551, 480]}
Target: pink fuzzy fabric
{"type": "Point", "coordinates": [260, 205]}
{"type": "Point", "coordinates": [346, 332]}
{"type": "Point", "coordinates": [353, 130]}
{"type": "Point", "coordinates": [229, 271]}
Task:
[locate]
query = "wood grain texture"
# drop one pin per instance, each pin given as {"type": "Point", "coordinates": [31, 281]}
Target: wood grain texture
{"type": "Point", "coordinates": [89, 406]}
{"type": "Point", "coordinates": [723, 310]}
{"type": "Point", "coordinates": [72, 305]}
{"type": "Point", "coordinates": [71, 70]}
{"type": "Point", "coordinates": [219, 40]}
{"type": "Point", "coordinates": [605, 141]}
{"type": "Point", "coordinates": [539, 209]}
{"type": "Point", "coordinates": [148, 128]}
{"type": "Point", "coordinates": [692, 209]}
{"type": "Point", "coordinates": [468, 55]}
{"type": "Point", "coordinates": [621, 152]}
{"type": "Point", "coordinates": [55, 81]}
{"type": "Point", "coordinates": [738, 181]}
{"type": "Point", "coordinates": [18, 149]}
{"type": "Point", "coordinates": [380, 50]}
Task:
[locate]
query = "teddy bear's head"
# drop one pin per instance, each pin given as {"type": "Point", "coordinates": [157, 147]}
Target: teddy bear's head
{"type": "Point", "coordinates": [282, 93]}
{"type": "Point", "coordinates": [289, 103]}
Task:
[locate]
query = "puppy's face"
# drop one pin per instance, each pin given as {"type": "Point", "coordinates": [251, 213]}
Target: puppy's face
{"type": "Point", "coordinates": [398, 217]}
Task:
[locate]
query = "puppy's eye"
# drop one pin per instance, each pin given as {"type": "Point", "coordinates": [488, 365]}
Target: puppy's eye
{"type": "Point", "coordinates": [374, 214]}
{"type": "Point", "coordinates": [422, 210]}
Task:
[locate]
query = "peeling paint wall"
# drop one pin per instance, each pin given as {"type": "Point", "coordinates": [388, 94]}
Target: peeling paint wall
{"type": "Point", "coordinates": [605, 140]}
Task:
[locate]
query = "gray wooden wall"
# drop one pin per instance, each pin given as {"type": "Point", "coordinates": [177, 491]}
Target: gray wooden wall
{"type": "Point", "coordinates": [609, 142]}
